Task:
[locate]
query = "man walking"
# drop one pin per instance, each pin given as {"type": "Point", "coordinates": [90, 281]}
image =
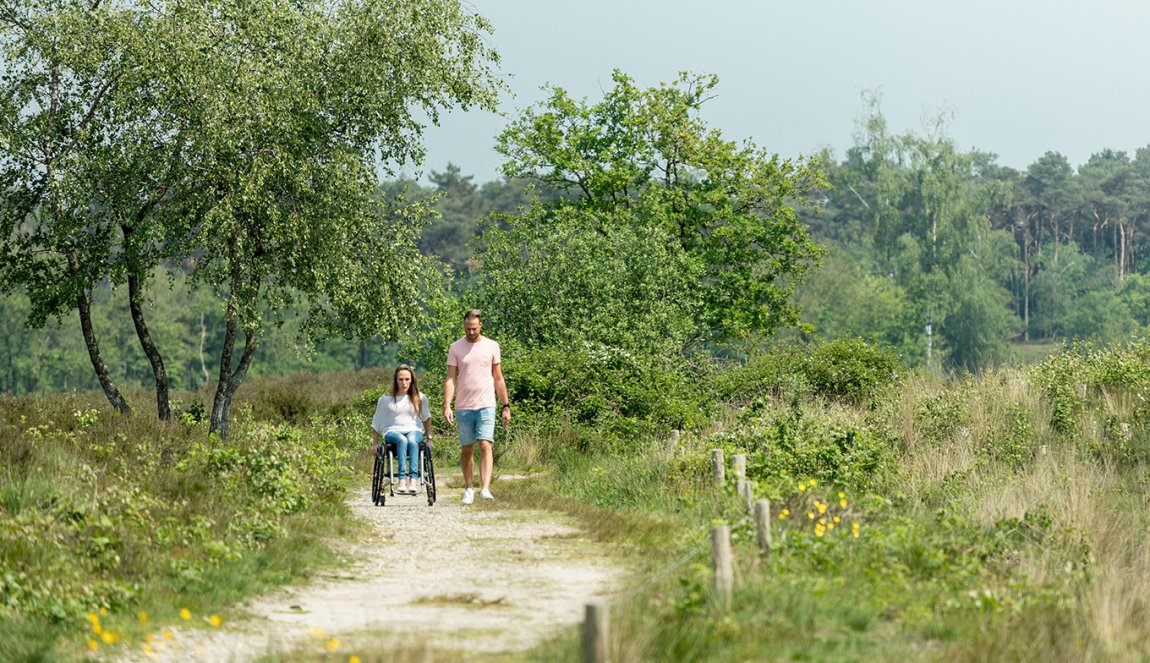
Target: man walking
{"type": "Point", "coordinates": [474, 363]}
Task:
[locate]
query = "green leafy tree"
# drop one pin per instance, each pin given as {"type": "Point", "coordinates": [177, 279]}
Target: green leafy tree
{"type": "Point", "coordinates": [291, 108]}
{"type": "Point", "coordinates": [242, 136]}
{"type": "Point", "coordinates": [930, 224]}
{"type": "Point", "coordinates": [595, 275]}
{"type": "Point", "coordinates": [644, 158]}
{"type": "Point", "coordinates": [66, 65]}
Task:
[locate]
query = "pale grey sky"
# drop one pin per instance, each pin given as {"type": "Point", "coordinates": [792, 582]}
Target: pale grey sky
{"type": "Point", "coordinates": [1020, 77]}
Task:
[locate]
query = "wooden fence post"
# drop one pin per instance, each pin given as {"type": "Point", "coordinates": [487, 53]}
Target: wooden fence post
{"type": "Point", "coordinates": [595, 633]}
{"type": "Point", "coordinates": [747, 494]}
{"type": "Point", "coordinates": [673, 443]}
{"type": "Point", "coordinates": [718, 471]}
{"type": "Point", "coordinates": [740, 466]}
{"type": "Point", "coordinates": [721, 562]}
{"type": "Point", "coordinates": [763, 525]}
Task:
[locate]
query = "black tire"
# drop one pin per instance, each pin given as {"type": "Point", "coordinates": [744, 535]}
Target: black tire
{"type": "Point", "coordinates": [377, 497]}
{"type": "Point", "coordinates": [429, 472]}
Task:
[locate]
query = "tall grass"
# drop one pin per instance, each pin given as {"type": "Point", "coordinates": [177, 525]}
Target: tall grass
{"type": "Point", "coordinates": [992, 538]}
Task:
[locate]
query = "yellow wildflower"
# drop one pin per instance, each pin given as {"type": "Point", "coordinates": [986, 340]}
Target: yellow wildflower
{"type": "Point", "coordinates": [103, 612]}
{"type": "Point", "coordinates": [149, 638]}
{"type": "Point", "coordinates": [811, 515]}
{"type": "Point", "coordinates": [332, 645]}
{"type": "Point", "coordinates": [143, 617]}
{"type": "Point", "coordinates": [802, 486]}
{"type": "Point", "coordinates": [317, 632]}
{"type": "Point", "coordinates": [855, 529]}
{"type": "Point", "coordinates": [185, 614]}
{"type": "Point", "coordinates": [109, 638]}
{"type": "Point", "coordinates": [353, 659]}
{"type": "Point", "coordinates": [843, 503]}
{"type": "Point", "coordinates": [814, 483]}
{"type": "Point", "coordinates": [782, 515]}
{"type": "Point", "coordinates": [820, 530]}
{"type": "Point", "coordinates": [167, 633]}
{"type": "Point", "coordinates": [93, 618]}
{"type": "Point", "coordinates": [215, 620]}
{"type": "Point", "coordinates": [837, 519]}
{"type": "Point", "coordinates": [147, 649]}
{"type": "Point", "coordinates": [830, 525]}
{"type": "Point", "coordinates": [93, 645]}
{"type": "Point", "coordinates": [822, 507]}
{"type": "Point", "coordinates": [822, 521]}
{"type": "Point", "coordinates": [97, 629]}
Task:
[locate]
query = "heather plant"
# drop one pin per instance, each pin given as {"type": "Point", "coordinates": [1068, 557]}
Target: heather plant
{"type": "Point", "coordinates": [104, 512]}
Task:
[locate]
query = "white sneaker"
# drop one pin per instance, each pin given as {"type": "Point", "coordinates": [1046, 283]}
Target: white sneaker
{"type": "Point", "coordinates": [486, 495]}
{"type": "Point", "coordinates": [468, 495]}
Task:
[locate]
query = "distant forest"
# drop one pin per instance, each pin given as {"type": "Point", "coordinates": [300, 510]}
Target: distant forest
{"type": "Point", "coordinates": [918, 235]}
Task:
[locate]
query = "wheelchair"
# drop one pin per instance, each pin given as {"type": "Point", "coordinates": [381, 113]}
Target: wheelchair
{"type": "Point", "coordinates": [383, 479]}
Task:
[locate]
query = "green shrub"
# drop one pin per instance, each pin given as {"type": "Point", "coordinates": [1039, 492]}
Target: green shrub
{"type": "Point", "coordinates": [938, 416]}
{"type": "Point", "coordinates": [624, 395]}
{"type": "Point", "coordinates": [1084, 381]}
{"type": "Point", "coordinates": [785, 446]}
{"type": "Point", "coordinates": [852, 370]}
{"type": "Point", "coordinates": [1010, 443]}
{"type": "Point", "coordinates": [848, 370]}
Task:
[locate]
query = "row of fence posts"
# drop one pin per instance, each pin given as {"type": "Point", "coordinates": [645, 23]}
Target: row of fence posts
{"type": "Point", "coordinates": [595, 622]}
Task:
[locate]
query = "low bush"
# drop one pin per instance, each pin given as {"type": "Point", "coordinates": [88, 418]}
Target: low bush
{"type": "Point", "coordinates": [784, 445]}
{"type": "Point", "coordinates": [623, 396]}
{"type": "Point", "coordinates": [848, 370]}
{"type": "Point", "coordinates": [851, 370]}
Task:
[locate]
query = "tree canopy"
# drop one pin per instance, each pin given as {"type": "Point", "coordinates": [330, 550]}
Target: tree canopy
{"type": "Point", "coordinates": [642, 166]}
{"type": "Point", "coordinates": [245, 140]}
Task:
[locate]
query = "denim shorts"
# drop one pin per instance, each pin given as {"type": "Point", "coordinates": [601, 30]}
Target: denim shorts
{"type": "Point", "coordinates": [475, 425]}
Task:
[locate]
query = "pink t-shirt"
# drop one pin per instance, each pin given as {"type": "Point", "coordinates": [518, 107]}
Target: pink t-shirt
{"type": "Point", "coordinates": [474, 384]}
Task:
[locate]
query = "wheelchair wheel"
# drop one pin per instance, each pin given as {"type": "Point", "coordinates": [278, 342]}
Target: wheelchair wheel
{"type": "Point", "coordinates": [429, 473]}
{"type": "Point", "coordinates": [377, 475]}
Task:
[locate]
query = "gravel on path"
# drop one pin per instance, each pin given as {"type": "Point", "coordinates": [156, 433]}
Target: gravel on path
{"type": "Point", "coordinates": [471, 579]}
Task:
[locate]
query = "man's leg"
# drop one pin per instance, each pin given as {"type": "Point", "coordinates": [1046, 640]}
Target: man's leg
{"type": "Point", "coordinates": [486, 464]}
{"type": "Point", "coordinates": [467, 463]}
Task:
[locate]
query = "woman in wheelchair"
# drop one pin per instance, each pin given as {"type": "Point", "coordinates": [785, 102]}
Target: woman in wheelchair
{"type": "Point", "coordinates": [403, 418]}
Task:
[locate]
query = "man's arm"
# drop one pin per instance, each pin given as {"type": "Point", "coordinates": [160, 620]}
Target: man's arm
{"type": "Point", "coordinates": [449, 393]}
{"type": "Point", "coordinates": [501, 391]}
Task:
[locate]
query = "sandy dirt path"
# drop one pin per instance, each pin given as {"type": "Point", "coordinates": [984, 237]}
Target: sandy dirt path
{"type": "Point", "coordinates": [474, 580]}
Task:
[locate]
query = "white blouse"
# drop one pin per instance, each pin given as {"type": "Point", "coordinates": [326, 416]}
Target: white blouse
{"type": "Point", "coordinates": [398, 415]}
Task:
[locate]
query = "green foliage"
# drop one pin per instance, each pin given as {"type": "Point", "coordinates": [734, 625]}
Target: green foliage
{"type": "Point", "coordinates": [245, 139]}
{"type": "Point", "coordinates": [551, 275]}
{"type": "Point", "coordinates": [1078, 296]}
{"type": "Point", "coordinates": [103, 511]}
{"type": "Point", "coordinates": [1085, 381]}
{"type": "Point", "coordinates": [852, 370]}
{"type": "Point", "coordinates": [53, 359]}
{"type": "Point", "coordinates": [940, 415]}
{"type": "Point", "coordinates": [784, 445]}
{"type": "Point", "coordinates": [848, 370]}
{"type": "Point", "coordinates": [1010, 446]}
{"type": "Point", "coordinates": [622, 396]}
{"type": "Point", "coordinates": [644, 161]}
{"type": "Point", "coordinates": [845, 299]}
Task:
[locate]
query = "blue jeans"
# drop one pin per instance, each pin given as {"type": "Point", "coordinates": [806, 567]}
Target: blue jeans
{"type": "Point", "coordinates": [406, 452]}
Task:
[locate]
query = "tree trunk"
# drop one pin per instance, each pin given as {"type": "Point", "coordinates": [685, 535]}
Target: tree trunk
{"type": "Point", "coordinates": [1026, 268]}
{"type": "Point", "coordinates": [163, 409]}
{"type": "Point", "coordinates": [230, 380]}
{"type": "Point", "coordinates": [84, 305]}
{"type": "Point", "coordinates": [203, 340]}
